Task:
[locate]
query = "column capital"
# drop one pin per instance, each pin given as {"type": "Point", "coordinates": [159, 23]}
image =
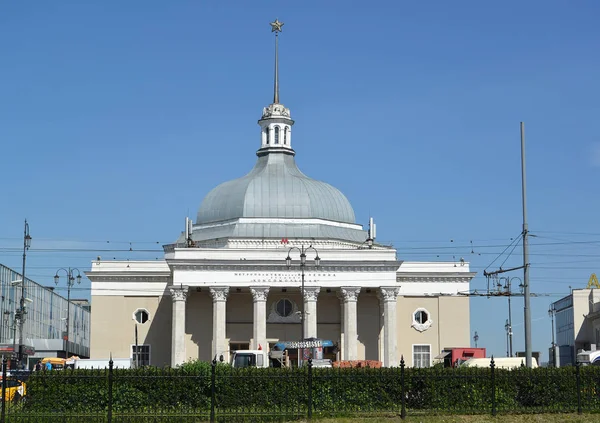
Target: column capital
{"type": "Point", "coordinates": [347, 294]}
{"type": "Point", "coordinates": [179, 293]}
{"type": "Point", "coordinates": [311, 293]}
{"type": "Point", "coordinates": [259, 293]}
{"type": "Point", "coordinates": [219, 293]}
{"type": "Point", "coordinates": [388, 293]}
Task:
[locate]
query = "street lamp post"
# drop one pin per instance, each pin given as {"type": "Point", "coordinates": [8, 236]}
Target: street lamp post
{"type": "Point", "coordinates": [508, 326]}
{"type": "Point", "coordinates": [69, 272]}
{"type": "Point", "coordinates": [508, 335]}
{"type": "Point", "coordinates": [288, 262]}
{"type": "Point", "coordinates": [22, 312]}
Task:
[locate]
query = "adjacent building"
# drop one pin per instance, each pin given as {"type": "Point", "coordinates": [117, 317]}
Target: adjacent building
{"type": "Point", "coordinates": [577, 325]}
{"type": "Point", "coordinates": [44, 328]}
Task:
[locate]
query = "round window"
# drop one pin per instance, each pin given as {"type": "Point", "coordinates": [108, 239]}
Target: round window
{"type": "Point", "coordinates": [284, 307]}
{"type": "Point", "coordinates": [421, 317]}
{"type": "Point", "coordinates": [141, 316]}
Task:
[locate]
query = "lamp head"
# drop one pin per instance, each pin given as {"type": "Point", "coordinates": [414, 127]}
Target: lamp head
{"type": "Point", "coordinates": [317, 261]}
{"type": "Point", "coordinates": [56, 278]}
{"type": "Point", "coordinates": [78, 279]}
{"type": "Point", "coordinates": [288, 261]}
{"type": "Point", "coordinates": [27, 241]}
{"type": "Point", "coordinates": [302, 259]}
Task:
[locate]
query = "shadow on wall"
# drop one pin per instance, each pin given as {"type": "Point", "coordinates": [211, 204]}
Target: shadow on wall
{"type": "Point", "coordinates": [369, 325]}
{"type": "Point", "coordinates": [199, 323]}
{"type": "Point", "coordinates": [159, 333]}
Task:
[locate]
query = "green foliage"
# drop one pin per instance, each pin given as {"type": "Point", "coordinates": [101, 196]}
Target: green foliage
{"type": "Point", "coordinates": [283, 393]}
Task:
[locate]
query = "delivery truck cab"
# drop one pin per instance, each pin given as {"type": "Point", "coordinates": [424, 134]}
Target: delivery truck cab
{"type": "Point", "coordinates": [589, 358]}
{"type": "Point", "coordinates": [249, 358]}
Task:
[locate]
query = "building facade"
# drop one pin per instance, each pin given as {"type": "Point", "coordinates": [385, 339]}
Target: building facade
{"type": "Point", "coordinates": [45, 323]}
{"type": "Point", "coordinates": [224, 284]}
{"type": "Point", "coordinates": [577, 324]}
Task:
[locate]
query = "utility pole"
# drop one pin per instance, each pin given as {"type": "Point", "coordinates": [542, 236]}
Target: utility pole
{"type": "Point", "coordinates": [552, 313]}
{"type": "Point", "coordinates": [22, 311]}
{"type": "Point", "coordinates": [525, 234]}
{"type": "Point", "coordinates": [510, 332]}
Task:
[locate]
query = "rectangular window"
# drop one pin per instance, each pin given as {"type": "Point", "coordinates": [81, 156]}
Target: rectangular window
{"type": "Point", "coordinates": [140, 355]}
{"type": "Point", "coordinates": [421, 355]}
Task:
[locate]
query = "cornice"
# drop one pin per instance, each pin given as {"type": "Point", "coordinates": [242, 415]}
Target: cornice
{"type": "Point", "coordinates": [276, 266]}
{"type": "Point", "coordinates": [461, 277]}
{"type": "Point", "coordinates": [126, 277]}
{"type": "Point", "coordinates": [267, 243]}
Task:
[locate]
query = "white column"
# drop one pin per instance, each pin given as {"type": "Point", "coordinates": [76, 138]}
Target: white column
{"type": "Point", "coordinates": [342, 346]}
{"type": "Point", "coordinates": [381, 329]}
{"type": "Point", "coordinates": [310, 311]}
{"type": "Point", "coordinates": [219, 342]}
{"type": "Point", "coordinates": [178, 295]}
{"type": "Point", "coordinates": [259, 326]}
{"type": "Point", "coordinates": [388, 296]}
{"type": "Point", "coordinates": [349, 298]}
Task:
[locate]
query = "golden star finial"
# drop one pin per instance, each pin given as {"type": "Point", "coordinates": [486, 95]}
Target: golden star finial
{"type": "Point", "coordinates": [276, 26]}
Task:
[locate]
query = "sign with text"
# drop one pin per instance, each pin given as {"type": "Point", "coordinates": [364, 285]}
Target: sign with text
{"type": "Point", "coordinates": [293, 345]}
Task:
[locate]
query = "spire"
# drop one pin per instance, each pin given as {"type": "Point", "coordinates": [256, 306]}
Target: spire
{"type": "Point", "coordinates": [276, 28]}
{"type": "Point", "coordinates": [276, 122]}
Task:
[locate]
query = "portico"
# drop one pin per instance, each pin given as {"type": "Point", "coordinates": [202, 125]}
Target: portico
{"type": "Point", "coordinates": [349, 298]}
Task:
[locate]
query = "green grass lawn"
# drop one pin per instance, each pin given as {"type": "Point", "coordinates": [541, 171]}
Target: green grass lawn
{"type": "Point", "coordinates": [520, 418]}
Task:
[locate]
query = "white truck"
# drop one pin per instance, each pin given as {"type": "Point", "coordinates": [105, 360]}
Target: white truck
{"type": "Point", "coordinates": [100, 363]}
{"type": "Point", "coordinates": [250, 358]}
{"type": "Point", "coordinates": [259, 358]}
{"type": "Point", "coordinates": [589, 358]}
{"type": "Point", "coordinates": [499, 362]}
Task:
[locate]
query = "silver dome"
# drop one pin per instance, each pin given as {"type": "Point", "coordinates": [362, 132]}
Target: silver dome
{"type": "Point", "coordinates": [275, 188]}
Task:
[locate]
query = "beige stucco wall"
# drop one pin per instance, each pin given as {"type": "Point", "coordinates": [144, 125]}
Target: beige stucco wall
{"type": "Point", "coordinates": [198, 325]}
{"type": "Point", "coordinates": [112, 324]}
{"type": "Point", "coordinates": [368, 324]}
{"type": "Point", "coordinates": [328, 316]}
{"type": "Point", "coordinates": [113, 327]}
{"type": "Point", "coordinates": [451, 330]}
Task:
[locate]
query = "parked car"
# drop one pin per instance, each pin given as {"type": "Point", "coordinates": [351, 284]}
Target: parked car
{"type": "Point", "coordinates": [15, 389]}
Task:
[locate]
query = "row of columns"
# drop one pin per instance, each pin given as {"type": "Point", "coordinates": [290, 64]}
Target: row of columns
{"type": "Point", "coordinates": [349, 325]}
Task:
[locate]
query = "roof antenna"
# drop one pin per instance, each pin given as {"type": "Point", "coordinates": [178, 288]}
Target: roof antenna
{"type": "Point", "coordinates": [188, 232]}
{"type": "Point", "coordinates": [372, 233]}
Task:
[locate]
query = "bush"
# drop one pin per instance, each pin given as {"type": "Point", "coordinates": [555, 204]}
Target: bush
{"type": "Point", "coordinates": [284, 392]}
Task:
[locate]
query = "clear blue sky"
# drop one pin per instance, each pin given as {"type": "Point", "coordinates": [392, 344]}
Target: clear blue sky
{"type": "Point", "coordinates": [117, 118]}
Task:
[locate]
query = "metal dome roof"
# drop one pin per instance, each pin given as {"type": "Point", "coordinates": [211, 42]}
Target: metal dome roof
{"type": "Point", "coordinates": [275, 188]}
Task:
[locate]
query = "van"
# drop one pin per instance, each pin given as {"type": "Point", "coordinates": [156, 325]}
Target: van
{"type": "Point", "coordinates": [56, 363]}
{"type": "Point", "coordinates": [499, 363]}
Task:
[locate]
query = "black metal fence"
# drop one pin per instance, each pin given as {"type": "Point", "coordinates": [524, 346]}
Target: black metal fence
{"type": "Point", "coordinates": [217, 392]}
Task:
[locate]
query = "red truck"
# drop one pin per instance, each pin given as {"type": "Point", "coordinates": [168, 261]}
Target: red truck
{"type": "Point", "coordinates": [454, 356]}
